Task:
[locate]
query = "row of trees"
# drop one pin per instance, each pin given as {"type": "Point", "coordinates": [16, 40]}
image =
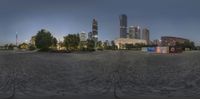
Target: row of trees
{"type": "Point", "coordinates": [45, 41]}
{"type": "Point", "coordinates": [9, 46]}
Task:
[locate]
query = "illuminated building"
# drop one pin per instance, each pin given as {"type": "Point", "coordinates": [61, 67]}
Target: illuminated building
{"type": "Point", "coordinates": [121, 42]}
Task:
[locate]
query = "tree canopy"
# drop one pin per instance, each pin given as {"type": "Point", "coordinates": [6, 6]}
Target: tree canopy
{"type": "Point", "coordinates": [43, 39]}
{"type": "Point", "coordinates": [71, 42]}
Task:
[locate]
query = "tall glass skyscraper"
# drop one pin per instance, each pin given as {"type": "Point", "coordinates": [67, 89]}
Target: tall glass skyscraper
{"type": "Point", "coordinates": [132, 32]}
{"type": "Point", "coordinates": [123, 26]}
{"type": "Point", "coordinates": [137, 32]}
{"type": "Point", "coordinates": [95, 30]}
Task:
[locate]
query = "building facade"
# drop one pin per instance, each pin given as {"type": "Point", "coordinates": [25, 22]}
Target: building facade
{"type": "Point", "coordinates": [137, 32]}
{"type": "Point", "coordinates": [132, 33]}
{"type": "Point", "coordinates": [83, 36]}
{"type": "Point", "coordinates": [95, 30]}
{"type": "Point", "coordinates": [90, 35]}
{"type": "Point", "coordinates": [156, 42]}
{"type": "Point", "coordinates": [171, 41]}
{"type": "Point", "coordinates": [121, 42]}
{"type": "Point", "coordinates": [145, 35]}
{"type": "Point", "coordinates": [123, 26]}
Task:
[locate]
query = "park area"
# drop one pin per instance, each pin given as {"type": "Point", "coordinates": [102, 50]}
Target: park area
{"type": "Point", "coordinates": [99, 75]}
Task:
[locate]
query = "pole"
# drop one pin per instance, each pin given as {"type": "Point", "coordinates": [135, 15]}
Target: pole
{"type": "Point", "coordinates": [16, 39]}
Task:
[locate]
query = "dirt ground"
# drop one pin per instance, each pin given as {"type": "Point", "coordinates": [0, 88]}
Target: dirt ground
{"type": "Point", "coordinates": [99, 75]}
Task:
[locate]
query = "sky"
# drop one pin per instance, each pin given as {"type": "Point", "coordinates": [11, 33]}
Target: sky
{"type": "Point", "coordinates": [162, 17]}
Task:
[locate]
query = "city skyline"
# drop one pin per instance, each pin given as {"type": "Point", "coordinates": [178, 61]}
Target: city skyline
{"type": "Point", "coordinates": [163, 18]}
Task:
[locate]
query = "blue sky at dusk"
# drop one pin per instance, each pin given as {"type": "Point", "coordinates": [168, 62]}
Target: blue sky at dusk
{"type": "Point", "coordinates": [163, 17]}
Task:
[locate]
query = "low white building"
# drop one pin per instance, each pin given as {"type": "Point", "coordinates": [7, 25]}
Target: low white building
{"type": "Point", "coordinates": [121, 42]}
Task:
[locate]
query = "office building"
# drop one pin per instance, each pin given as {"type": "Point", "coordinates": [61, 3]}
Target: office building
{"type": "Point", "coordinates": [123, 26]}
{"type": "Point", "coordinates": [145, 35]}
{"type": "Point", "coordinates": [171, 41]}
{"type": "Point", "coordinates": [83, 36]}
{"type": "Point", "coordinates": [90, 35]}
{"type": "Point", "coordinates": [95, 30]}
{"type": "Point", "coordinates": [132, 33]}
{"type": "Point", "coordinates": [137, 32]}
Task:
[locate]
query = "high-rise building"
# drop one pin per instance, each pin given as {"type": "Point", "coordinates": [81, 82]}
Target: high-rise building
{"type": "Point", "coordinates": [145, 35]}
{"type": "Point", "coordinates": [83, 36]}
{"type": "Point", "coordinates": [137, 32]}
{"type": "Point", "coordinates": [90, 35]}
{"type": "Point", "coordinates": [132, 33]}
{"type": "Point", "coordinates": [95, 30]}
{"type": "Point", "coordinates": [123, 26]}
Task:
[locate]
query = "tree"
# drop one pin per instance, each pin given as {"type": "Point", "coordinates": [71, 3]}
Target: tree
{"type": "Point", "coordinates": [54, 42]}
{"type": "Point", "coordinates": [114, 47]}
{"type": "Point", "coordinates": [31, 47]}
{"type": "Point", "coordinates": [11, 47]}
{"type": "Point", "coordinates": [6, 46]}
{"type": "Point", "coordinates": [192, 45]}
{"type": "Point", "coordinates": [129, 46]}
{"type": "Point", "coordinates": [43, 40]}
{"type": "Point", "coordinates": [71, 42]}
{"type": "Point", "coordinates": [99, 45]}
{"type": "Point", "coordinates": [60, 45]}
{"type": "Point", "coordinates": [83, 45]}
{"type": "Point", "coordinates": [90, 45]}
{"type": "Point", "coordinates": [140, 45]}
{"type": "Point", "coordinates": [106, 45]}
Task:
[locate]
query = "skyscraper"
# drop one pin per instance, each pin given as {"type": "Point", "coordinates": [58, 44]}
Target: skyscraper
{"type": "Point", "coordinates": [95, 30]}
{"type": "Point", "coordinates": [90, 35]}
{"type": "Point", "coordinates": [123, 26]}
{"type": "Point", "coordinates": [137, 32]}
{"type": "Point", "coordinates": [145, 35]}
{"type": "Point", "coordinates": [132, 32]}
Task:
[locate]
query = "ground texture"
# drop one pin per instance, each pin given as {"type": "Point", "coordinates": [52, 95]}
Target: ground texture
{"type": "Point", "coordinates": [99, 75]}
